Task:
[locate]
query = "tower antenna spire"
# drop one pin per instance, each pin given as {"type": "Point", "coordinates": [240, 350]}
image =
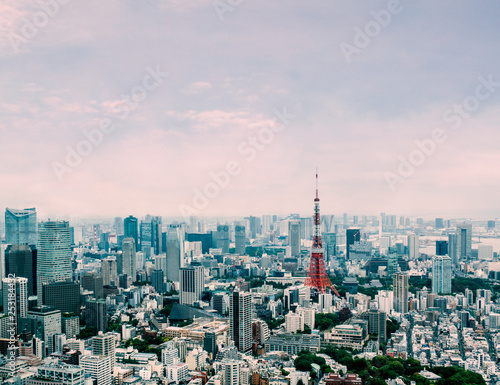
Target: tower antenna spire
{"type": "Point", "coordinates": [317, 195]}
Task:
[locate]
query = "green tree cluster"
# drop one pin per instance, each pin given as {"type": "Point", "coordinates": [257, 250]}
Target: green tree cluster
{"type": "Point", "coordinates": [326, 321]}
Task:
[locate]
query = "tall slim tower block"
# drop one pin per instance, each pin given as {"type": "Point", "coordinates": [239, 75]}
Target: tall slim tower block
{"type": "Point", "coordinates": [464, 240]}
{"type": "Point", "coordinates": [441, 274]}
{"type": "Point", "coordinates": [400, 288]}
{"type": "Point", "coordinates": [317, 276]}
{"type": "Point", "coordinates": [240, 239]}
{"type": "Point", "coordinates": [54, 254]}
{"type": "Point", "coordinates": [240, 320]}
{"type": "Point", "coordinates": [294, 237]}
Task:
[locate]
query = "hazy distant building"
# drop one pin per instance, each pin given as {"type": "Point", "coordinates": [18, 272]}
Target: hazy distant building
{"type": "Point", "coordinates": [175, 252]}
{"type": "Point", "coordinates": [255, 227]}
{"type": "Point", "coordinates": [453, 248]}
{"type": "Point", "coordinates": [352, 236]}
{"type": "Point", "coordinates": [413, 246]}
{"type": "Point", "coordinates": [464, 240]}
{"type": "Point", "coordinates": [240, 239]}
{"type": "Point", "coordinates": [223, 238]}
{"type": "Point", "coordinates": [294, 237]}
{"type": "Point", "coordinates": [53, 254]}
{"type": "Point", "coordinates": [330, 245]}
{"type": "Point", "coordinates": [441, 274]}
{"type": "Point", "coordinates": [400, 288]}
{"type": "Point", "coordinates": [491, 225]}
{"type": "Point", "coordinates": [439, 223]}
{"type": "Point", "coordinates": [129, 257]}
{"type": "Point", "coordinates": [20, 226]}
{"type": "Point", "coordinates": [20, 260]}
{"type": "Point", "coordinates": [191, 284]}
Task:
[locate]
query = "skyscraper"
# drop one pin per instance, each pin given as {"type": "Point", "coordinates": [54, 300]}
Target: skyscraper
{"type": "Point", "coordinates": [53, 255]}
{"type": "Point", "coordinates": [175, 252]}
{"type": "Point", "coordinates": [240, 320]}
{"type": "Point", "coordinates": [240, 239]}
{"type": "Point", "coordinates": [413, 246]}
{"type": "Point", "coordinates": [146, 238]}
{"type": "Point", "coordinates": [191, 284]}
{"type": "Point", "coordinates": [400, 289]}
{"type": "Point", "coordinates": [453, 248]}
{"type": "Point", "coordinates": [254, 226]}
{"type": "Point", "coordinates": [130, 227]}
{"type": "Point", "coordinates": [157, 280]}
{"type": "Point", "coordinates": [49, 321]}
{"type": "Point", "coordinates": [294, 237]}
{"type": "Point", "coordinates": [20, 260]}
{"type": "Point", "coordinates": [352, 236]}
{"type": "Point", "coordinates": [20, 227]}
{"type": "Point", "coordinates": [223, 238]}
{"type": "Point", "coordinates": [119, 226]}
{"type": "Point", "coordinates": [464, 240]}
{"type": "Point", "coordinates": [439, 223]}
{"type": "Point", "coordinates": [96, 313]}
{"type": "Point", "coordinates": [330, 244]}
{"type": "Point", "coordinates": [441, 274]}
{"type": "Point", "coordinates": [441, 247]}
{"type": "Point", "coordinates": [129, 257]}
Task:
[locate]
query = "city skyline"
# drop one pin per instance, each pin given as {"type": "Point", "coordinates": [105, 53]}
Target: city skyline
{"type": "Point", "coordinates": [324, 93]}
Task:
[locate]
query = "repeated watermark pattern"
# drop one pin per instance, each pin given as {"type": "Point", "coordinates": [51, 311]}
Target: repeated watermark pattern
{"type": "Point", "coordinates": [94, 137]}
{"type": "Point", "coordinates": [249, 149]}
{"type": "Point", "coordinates": [221, 7]}
{"type": "Point", "coordinates": [453, 118]}
{"type": "Point", "coordinates": [39, 20]}
{"type": "Point", "coordinates": [364, 36]}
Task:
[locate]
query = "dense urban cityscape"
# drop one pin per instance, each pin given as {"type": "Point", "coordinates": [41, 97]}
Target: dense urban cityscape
{"type": "Point", "coordinates": [281, 300]}
{"type": "Point", "coordinates": [249, 192]}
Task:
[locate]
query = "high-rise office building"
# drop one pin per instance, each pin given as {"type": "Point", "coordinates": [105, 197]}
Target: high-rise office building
{"type": "Point", "coordinates": [223, 238]}
{"type": "Point", "coordinates": [191, 284]}
{"type": "Point", "coordinates": [146, 238]}
{"type": "Point", "coordinates": [441, 274]}
{"type": "Point", "coordinates": [453, 248]}
{"type": "Point", "coordinates": [53, 254]}
{"type": "Point", "coordinates": [491, 225]}
{"type": "Point", "coordinates": [94, 283]}
{"type": "Point", "coordinates": [464, 240]}
{"type": "Point", "coordinates": [210, 343]}
{"type": "Point", "coordinates": [413, 247]}
{"type": "Point", "coordinates": [441, 247]}
{"type": "Point", "coordinates": [15, 290]}
{"type": "Point", "coordinates": [352, 236]}
{"type": "Point", "coordinates": [400, 289]}
{"type": "Point", "coordinates": [130, 225]}
{"type": "Point", "coordinates": [103, 344]}
{"type": "Point", "coordinates": [175, 252]}
{"type": "Point", "coordinates": [157, 281]}
{"type": "Point", "coordinates": [109, 271]}
{"type": "Point", "coordinates": [96, 313]}
{"type": "Point", "coordinates": [128, 257]}
{"type": "Point", "coordinates": [64, 296]}
{"type": "Point", "coordinates": [439, 223]}
{"type": "Point", "coordinates": [377, 323]}
{"type": "Point", "coordinates": [240, 239]}
{"type": "Point", "coordinates": [48, 321]}
{"type": "Point", "coordinates": [20, 260]}
{"type": "Point", "coordinates": [294, 237]}
{"type": "Point", "coordinates": [20, 227]}
{"type": "Point", "coordinates": [240, 320]}
{"type": "Point", "coordinates": [231, 372]}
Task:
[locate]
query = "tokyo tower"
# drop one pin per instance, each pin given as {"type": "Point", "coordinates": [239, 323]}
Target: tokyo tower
{"type": "Point", "coordinates": [317, 277]}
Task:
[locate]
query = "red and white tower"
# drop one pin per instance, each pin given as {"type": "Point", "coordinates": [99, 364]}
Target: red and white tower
{"type": "Point", "coordinates": [317, 276]}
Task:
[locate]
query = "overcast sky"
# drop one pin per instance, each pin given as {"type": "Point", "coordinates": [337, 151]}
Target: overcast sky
{"type": "Point", "coordinates": [353, 105]}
